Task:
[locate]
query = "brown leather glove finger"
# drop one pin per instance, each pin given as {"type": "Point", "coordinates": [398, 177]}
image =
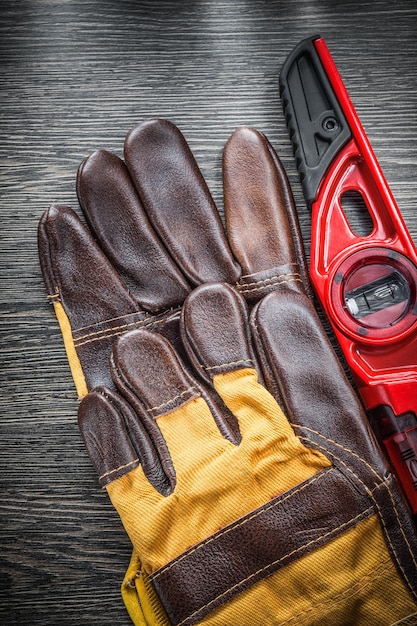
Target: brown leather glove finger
{"type": "Point", "coordinates": [261, 219]}
{"type": "Point", "coordinates": [178, 202]}
{"type": "Point", "coordinates": [117, 440]}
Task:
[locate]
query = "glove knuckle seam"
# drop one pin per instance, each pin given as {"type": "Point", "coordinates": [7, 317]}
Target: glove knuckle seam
{"type": "Point", "coordinates": [108, 320]}
{"type": "Point", "coordinates": [247, 362]}
{"type": "Point", "coordinates": [190, 391]}
{"type": "Point", "coordinates": [270, 283]}
{"type": "Point", "coordinates": [114, 332]}
{"type": "Point", "coordinates": [118, 469]}
{"type": "Point", "coordinates": [257, 273]}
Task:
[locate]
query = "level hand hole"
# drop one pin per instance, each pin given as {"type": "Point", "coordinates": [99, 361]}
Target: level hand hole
{"type": "Point", "coordinates": [357, 214]}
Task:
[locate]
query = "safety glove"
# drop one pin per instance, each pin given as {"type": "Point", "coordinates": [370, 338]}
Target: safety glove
{"type": "Point", "coordinates": [153, 233]}
{"type": "Point", "coordinates": [295, 520]}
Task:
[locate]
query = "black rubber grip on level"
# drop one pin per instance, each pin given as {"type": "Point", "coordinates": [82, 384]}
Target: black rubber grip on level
{"type": "Point", "coordinates": [317, 126]}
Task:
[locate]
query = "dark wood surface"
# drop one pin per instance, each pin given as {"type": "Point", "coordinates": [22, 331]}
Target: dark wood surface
{"type": "Point", "coordinates": [75, 76]}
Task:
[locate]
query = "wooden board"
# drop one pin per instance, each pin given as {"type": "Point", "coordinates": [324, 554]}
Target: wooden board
{"type": "Point", "coordinates": [75, 76]}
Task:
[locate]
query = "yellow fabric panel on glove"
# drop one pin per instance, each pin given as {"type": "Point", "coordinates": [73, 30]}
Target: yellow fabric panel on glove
{"type": "Point", "coordinates": [73, 360]}
{"type": "Point", "coordinates": [353, 574]}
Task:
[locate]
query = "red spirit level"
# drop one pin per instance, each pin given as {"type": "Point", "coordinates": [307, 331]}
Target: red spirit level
{"type": "Point", "coordinates": [366, 283]}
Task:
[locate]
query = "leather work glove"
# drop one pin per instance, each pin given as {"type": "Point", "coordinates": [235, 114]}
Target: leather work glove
{"type": "Point", "coordinates": [294, 521]}
{"type": "Point", "coordinates": [154, 233]}
{"type": "Point", "coordinates": [345, 542]}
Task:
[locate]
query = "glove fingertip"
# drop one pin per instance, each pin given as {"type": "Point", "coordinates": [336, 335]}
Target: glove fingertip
{"type": "Point", "coordinates": [174, 193]}
{"type": "Point", "coordinates": [215, 331]}
{"type": "Point", "coordinates": [105, 436]}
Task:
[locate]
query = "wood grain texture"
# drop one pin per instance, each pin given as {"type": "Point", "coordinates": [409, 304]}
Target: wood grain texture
{"type": "Point", "coordinates": [75, 76]}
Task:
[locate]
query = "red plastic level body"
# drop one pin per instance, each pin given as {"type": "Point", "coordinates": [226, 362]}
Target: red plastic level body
{"type": "Point", "coordinates": [381, 348]}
